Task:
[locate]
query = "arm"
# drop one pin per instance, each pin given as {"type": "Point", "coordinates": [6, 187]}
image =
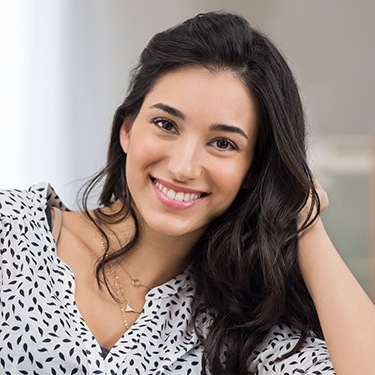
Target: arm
{"type": "Point", "coordinates": [346, 313]}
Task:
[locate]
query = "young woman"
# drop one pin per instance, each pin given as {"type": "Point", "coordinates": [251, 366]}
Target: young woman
{"type": "Point", "coordinates": [206, 253]}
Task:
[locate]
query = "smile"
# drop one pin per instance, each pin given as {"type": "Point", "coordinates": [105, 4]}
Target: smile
{"type": "Point", "coordinates": [178, 196]}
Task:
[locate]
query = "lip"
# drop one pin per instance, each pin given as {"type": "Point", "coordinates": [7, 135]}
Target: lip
{"type": "Point", "coordinates": [170, 202]}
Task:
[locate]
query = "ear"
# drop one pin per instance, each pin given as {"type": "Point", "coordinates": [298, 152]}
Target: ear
{"type": "Point", "coordinates": [125, 132]}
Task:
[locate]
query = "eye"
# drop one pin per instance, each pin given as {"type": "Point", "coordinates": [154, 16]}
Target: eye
{"type": "Point", "coordinates": [224, 145]}
{"type": "Point", "coordinates": [165, 125]}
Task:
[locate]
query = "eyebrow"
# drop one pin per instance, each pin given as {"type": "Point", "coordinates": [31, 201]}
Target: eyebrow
{"type": "Point", "coordinates": [229, 128]}
{"type": "Point", "coordinates": [215, 127]}
{"type": "Point", "coordinates": [172, 111]}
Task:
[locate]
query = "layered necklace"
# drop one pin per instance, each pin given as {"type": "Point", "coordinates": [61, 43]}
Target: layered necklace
{"type": "Point", "coordinates": [124, 305]}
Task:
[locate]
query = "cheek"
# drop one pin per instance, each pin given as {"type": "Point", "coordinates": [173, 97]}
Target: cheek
{"type": "Point", "coordinates": [143, 151]}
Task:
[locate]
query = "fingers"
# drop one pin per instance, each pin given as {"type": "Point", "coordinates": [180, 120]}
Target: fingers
{"type": "Point", "coordinates": [322, 194]}
{"type": "Point", "coordinates": [309, 213]}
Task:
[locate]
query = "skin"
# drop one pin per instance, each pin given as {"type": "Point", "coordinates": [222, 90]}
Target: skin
{"type": "Point", "coordinates": [195, 134]}
{"type": "Point", "coordinates": [187, 151]}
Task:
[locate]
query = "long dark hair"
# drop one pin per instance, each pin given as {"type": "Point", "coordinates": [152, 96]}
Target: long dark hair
{"type": "Point", "coordinates": [246, 261]}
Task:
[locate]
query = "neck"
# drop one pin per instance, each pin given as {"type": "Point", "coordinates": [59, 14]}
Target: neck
{"type": "Point", "coordinates": [157, 257]}
{"type": "Point", "coordinates": [160, 259]}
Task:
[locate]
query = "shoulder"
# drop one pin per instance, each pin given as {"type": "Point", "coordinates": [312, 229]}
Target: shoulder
{"type": "Point", "coordinates": [312, 358]}
{"type": "Point", "coordinates": [26, 211]}
{"type": "Point", "coordinates": [25, 229]}
{"type": "Point", "coordinates": [17, 202]}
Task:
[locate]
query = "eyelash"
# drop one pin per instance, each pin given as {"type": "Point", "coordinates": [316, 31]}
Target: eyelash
{"type": "Point", "coordinates": [162, 122]}
{"type": "Point", "coordinates": [232, 146]}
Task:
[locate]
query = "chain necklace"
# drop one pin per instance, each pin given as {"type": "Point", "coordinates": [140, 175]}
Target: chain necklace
{"type": "Point", "coordinates": [136, 282]}
{"type": "Point", "coordinates": [123, 303]}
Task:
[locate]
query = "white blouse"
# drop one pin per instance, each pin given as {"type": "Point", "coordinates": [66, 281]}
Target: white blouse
{"type": "Point", "coordinates": [42, 331]}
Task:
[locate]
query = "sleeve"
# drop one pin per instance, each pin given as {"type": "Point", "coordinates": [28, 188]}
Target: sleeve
{"type": "Point", "coordinates": [312, 359]}
{"type": "Point", "coordinates": [16, 208]}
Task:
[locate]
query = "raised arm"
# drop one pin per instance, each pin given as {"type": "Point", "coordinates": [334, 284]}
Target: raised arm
{"type": "Point", "coordinates": [346, 313]}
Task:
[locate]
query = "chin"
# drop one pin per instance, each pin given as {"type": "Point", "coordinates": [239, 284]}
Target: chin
{"type": "Point", "coordinates": [176, 231]}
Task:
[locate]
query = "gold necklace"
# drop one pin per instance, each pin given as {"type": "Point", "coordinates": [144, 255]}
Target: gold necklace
{"type": "Point", "coordinates": [123, 303]}
{"type": "Point", "coordinates": [136, 282]}
{"type": "Point", "coordinates": [119, 291]}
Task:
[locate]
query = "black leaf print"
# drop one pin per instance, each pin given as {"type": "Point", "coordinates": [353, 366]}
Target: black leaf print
{"type": "Point", "coordinates": [42, 332]}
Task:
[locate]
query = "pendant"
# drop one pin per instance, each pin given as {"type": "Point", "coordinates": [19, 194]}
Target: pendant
{"type": "Point", "coordinates": [128, 308]}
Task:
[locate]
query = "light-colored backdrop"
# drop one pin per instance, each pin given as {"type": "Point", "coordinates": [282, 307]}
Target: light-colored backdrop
{"type": "Point", "coordinates": [64, 68]}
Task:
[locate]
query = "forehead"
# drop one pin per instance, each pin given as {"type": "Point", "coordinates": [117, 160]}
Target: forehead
{"type": "Point", "coordinates": [200, 90]}
{"type": "Point", "coordinates": [194, 76]}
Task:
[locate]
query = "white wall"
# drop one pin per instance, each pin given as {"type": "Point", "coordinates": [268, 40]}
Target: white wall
{"type": "Point", "coordinates": [34, 114]}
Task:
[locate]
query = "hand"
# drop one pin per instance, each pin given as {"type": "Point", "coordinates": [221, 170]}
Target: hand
{"type": "Point", "coordinates": [317, 198]}
{"type": "Point", "coordinates": [323, 196]}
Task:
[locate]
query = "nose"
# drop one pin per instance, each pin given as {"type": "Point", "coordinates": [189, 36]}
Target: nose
{"type": "Point", "coordinates": [185, 161]}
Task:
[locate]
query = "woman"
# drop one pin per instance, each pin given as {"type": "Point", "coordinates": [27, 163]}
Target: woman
{"type": "Point", "coordinates": [207, 253]}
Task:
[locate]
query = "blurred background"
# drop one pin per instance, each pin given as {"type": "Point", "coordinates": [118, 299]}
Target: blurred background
{"type": "Point", "coordinates": [64, 67]}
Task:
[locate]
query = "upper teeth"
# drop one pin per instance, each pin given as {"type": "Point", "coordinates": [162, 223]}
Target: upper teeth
{"type": "Point", "coordinates": [177, 196]}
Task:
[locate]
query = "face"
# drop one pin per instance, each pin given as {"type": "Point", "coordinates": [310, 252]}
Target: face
{"type": "Point", "coordinates": [189, 149]}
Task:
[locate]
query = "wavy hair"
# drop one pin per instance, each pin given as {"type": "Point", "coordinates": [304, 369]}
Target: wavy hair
{"type": "Point", "coordinates": [246, 261]}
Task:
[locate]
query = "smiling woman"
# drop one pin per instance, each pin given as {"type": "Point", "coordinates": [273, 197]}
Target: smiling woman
{"type": "Point", "coordinates": [189, 150]}
{"type": "Point", "coordinates": [206, 252]}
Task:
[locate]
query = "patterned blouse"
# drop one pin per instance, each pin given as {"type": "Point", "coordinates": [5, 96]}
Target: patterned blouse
{"type": "Point", "coordinates": [42, 331]}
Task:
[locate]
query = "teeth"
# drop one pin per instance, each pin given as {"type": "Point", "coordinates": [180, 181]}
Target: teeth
{"type": "Point", "coordinates": [171, 194]}
{"type": "Point", "coordinates": [180, 196]}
